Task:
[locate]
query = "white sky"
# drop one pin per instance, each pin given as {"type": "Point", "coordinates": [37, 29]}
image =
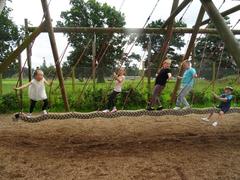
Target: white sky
{"type": "Point", "coordinates": [136, 13]}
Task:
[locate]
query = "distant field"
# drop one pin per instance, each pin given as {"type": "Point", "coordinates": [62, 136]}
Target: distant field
{"type": "Point", "coordinates": [201, 86]}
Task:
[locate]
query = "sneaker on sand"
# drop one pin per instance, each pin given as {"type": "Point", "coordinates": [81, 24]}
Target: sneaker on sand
{"type": "Point", "coordinates": [186, 107]}
{"type": "Point", "coordinates": [160, 108]}
{"type": "Point", "coordinates": [29, 115]}
{"type": "Point", "coordinates": [45, 112]}
{"type": "Point", "coordinates": [106, 111]}
{"type": "Point", "coordinates": [114, 110]}
{"type": "Point", "coordinates": [149, 108]}
{"type": "Point", "coordinates": [205, 119]}
{"type": "Point", "coordinates": [215, 123]}
{"type": "Point", "coordinates": [176, 108]}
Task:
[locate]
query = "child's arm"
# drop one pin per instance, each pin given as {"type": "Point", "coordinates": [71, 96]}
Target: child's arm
{"type": "Point", "coordinates": [48, 83]}
{"type": "Point", "coordinates": [169, 76]}
{"type": "Point", "coordinates": [195, 76]}
{"type": "Point", "coordinates": [23, 86]}
{"type": "Point", "coordinates": [220, 98]}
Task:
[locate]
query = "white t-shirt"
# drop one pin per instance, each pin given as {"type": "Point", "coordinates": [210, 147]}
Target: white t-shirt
{"type": "Point", "coordinates": [118, 85]}
{"type": "Point", "coordinates": [37, 91]}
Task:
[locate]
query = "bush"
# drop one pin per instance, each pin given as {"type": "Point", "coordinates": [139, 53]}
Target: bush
{"type": "Point", "coordinates": [9, 103]}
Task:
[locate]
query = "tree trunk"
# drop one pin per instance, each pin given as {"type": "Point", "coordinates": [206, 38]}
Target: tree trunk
{"type": "Point", "coordinates": [1, 90]}
{"type": "Point", "coordinates": [100, 75]}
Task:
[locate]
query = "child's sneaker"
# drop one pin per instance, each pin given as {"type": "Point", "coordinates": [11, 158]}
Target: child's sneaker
{"type": "Point", "coordinates": [215, 123]}
{"type": "Point", "coordinates": [106, 111]}
{"type": "Point", "coordinates": [149, 108]}
{"type": "Point", "coordinates": [186, 107]}
{"type": "Point", "coordinates": [114, 110]}
{"type": "Point", "coordinates": [176, 108]}
{"type": "Point", "coordinates": [205, 119]}
{"type": "Point", "coordinates": [160, 108]}
{"type": "Point", "coordinates": [45, 112]}
{"type": "Point", "coordinates": [29, 115]}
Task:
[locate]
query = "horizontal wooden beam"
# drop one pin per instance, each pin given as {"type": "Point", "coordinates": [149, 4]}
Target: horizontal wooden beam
{"type": "Point", "coordinates": [224, 13]}
{"type": "Point", "coordinates": [26, 42]}
{"type": "Point", "coordinates": [101, 30]}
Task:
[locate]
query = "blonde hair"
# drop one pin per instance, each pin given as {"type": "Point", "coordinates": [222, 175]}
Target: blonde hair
{"type": "Point", "coordinates": [185, 61]}
{"type": "Point", "coordinates": [169, 61]}
{"type": "Point", "coordinates": [37, 71]}
{"type": "Point", "coordinates": [121, 69]}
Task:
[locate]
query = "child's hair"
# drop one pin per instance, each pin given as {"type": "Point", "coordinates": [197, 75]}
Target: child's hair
{"type": "Point", "coordinates": [169, 61]}
{"type": "Point", "coordinates": [122, 69]}
{"type": "Point", "coordinates": [185, 61]}
{"type": "Point", "coordinates": [37, 71]}
{"type": "Point", "coordinates": [229, 88]}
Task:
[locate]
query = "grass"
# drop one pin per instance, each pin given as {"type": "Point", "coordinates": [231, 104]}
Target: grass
{"type": "Point", "coordinates": [202, 91]}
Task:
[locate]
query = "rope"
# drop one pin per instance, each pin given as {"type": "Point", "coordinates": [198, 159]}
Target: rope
{"type": "Point", "coordinates": [120, 8]}
{"type": "Point", "coordinates": [133, 43]}
{"type": "Point", "coordinates": [137, 113]}
{"type": "Point", "coordinates": [185, 11]}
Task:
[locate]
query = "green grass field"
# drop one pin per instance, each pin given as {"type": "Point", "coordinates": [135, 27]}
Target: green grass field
{"type": "Point", "coordinates": [201, 93]}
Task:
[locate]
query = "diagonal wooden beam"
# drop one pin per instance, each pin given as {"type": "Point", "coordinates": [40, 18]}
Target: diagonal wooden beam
{"type": "Point", "coordinates": [224, 13]}
{"type": "Point", "coordinates": [27, 41]}
{"type": "Point", "coordinates": [168, 37]}
{"type": "Point", "coordinates": [176, 12]}
{"type": "Point", "coordinates": [188, 52]}
{"type": "Point", "coordinates": [231, 43]}
{"type": "Point", "coordinates": [55, 53]}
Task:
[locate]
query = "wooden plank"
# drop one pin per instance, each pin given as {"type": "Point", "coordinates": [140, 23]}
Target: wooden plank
{"type": "Point", "coordinates": [13, 56]}
{"type": "Point", "coordinates": [55, 53]}
{"type": "Point", "coordinates": [101, 30]}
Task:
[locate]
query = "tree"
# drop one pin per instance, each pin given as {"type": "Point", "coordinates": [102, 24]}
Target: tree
{"type": "Point", "coordinates": [157, 41]}
{"type": "Point", "coordinates": [210, 49]}
{"type": "Point", "coordinates": [8, 38]}
{"type": "Point", "coordinates": [93, 14]}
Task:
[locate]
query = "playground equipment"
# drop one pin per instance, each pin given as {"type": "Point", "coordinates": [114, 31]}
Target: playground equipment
{"type": "Point", "coordinates": [227, 35]}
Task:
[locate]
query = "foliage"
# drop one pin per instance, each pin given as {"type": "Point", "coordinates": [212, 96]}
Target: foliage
{"type": "Point", "coordinates": [93, 14]}
{"type": "Point", "coordinates": [8, 103]}
{"type": "Point", "coordinates": [157, 41]}
{"type": "Point", "coordinates": [209, 49]}
{"type": "Point", "coordinates": [8, 37]}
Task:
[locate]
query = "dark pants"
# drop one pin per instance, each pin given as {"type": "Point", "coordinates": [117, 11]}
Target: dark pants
{"type": "Point", "coordinates": [156, 93]}
{"type": "Point", "coordinates": [112, 99]}
{"type": "Point", "coordinates": [33, 103]}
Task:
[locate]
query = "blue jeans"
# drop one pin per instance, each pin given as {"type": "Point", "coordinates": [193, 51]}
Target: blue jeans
{"type": "Point", "coordinates": [181, 96]}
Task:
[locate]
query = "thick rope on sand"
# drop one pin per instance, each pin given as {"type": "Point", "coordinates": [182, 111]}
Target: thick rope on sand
{"type": "Point", "coordinates": [77, 115]}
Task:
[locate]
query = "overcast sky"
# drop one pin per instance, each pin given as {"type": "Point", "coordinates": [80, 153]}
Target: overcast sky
{"type": "Point", "coordinates": [136, 13]}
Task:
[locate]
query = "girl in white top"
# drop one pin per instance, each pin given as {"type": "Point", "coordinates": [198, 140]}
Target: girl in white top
{"type": "Point", "coordinates": [119, 79]}
{"type": "Point", "coordinates": [37, 91]}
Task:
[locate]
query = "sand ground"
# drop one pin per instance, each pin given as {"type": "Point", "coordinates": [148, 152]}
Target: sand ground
{"type": "Point", "coordinates": [168, 147]}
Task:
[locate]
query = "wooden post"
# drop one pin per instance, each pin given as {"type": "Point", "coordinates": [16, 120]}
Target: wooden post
{"type": "Point", "coordinates": [29, 53]}
{"type": "Point", "coordinates": [168, 37]}
{"type": "Point", "coordinates": [175, 12]}
{"type": "Point", "coordinates": [55, 53]}
{"type": "Point", "coordinates": [13, 56]}
{"type": "Point", "coordinates": [73, 79]}
{"type": "Point", "coordinates": [149, 67]}
{"type": "Point", "coordinates": [213, 75]}
{"type": "Point", "coordinates": [94, 61]}
{"type": "Point", "coordinates": [227, 36]}
{"type": "Point", "coordinates": [225, 13]}
{"type": "Point", "coordinates": [1, 85]}
{"type": "Point", "coordinates": [20, 76]}
{"type": "Point", "coordinates": [188, 53]}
